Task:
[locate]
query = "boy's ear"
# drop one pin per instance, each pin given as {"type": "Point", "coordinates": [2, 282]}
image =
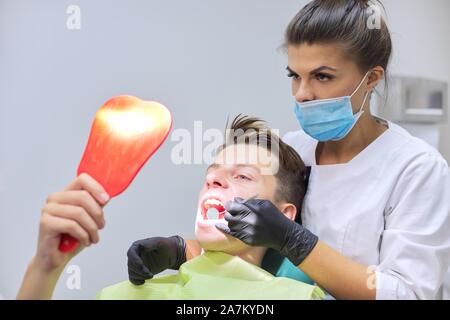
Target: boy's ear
{"type": "Point", "coordinates": [289, 210]}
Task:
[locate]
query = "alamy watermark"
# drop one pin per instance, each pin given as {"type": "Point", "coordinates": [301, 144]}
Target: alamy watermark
{"type": "Point", "coordinates": [73, 21]}
{"type": "Point", "coordinates": [73, 281]}
{"type": "Point", "coordinates": [371, 279]}
{"type": "Point", "coordinates": [229, 147]}
{"type": "Point", "coordinates": [375, 16]}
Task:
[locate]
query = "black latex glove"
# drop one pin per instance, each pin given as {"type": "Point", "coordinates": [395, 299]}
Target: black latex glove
{"type": "Point", "coordinates": [259, 223]}
{"type": "Point", "coordinates": [151, 256]}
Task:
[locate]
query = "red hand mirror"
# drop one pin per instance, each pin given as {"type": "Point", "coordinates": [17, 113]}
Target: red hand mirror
{"type": "Point", "coordinates": [126, 132]}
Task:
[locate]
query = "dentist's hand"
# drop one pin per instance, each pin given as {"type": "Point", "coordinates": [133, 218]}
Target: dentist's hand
{"type": "Point", "coordinates": [259, 223]}
{"type": "Point", "coordinates": [151, 256]}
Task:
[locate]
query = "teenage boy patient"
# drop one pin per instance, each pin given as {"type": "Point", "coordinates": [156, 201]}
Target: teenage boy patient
{"type": "Point", "coordinates": [253, 164]}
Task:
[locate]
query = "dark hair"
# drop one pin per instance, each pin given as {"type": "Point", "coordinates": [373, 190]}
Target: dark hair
{"type": "Point", "coordinates": [344, 22]}
{"type": "Point", "coordinates": [291, 174]}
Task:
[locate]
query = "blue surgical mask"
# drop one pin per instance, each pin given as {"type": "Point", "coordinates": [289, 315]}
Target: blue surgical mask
{"type": "Point", "coordinates": [329, 119]}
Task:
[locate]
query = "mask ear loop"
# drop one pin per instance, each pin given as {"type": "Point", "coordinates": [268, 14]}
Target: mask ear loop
{"type": "Point", "coordinates": [361, 111]}
{"type": "Point", "coordinates": [360, 84]}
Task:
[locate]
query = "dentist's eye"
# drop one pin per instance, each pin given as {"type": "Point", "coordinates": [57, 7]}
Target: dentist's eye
{"type": "Point", "coordinates": [323, 77]}
{"type": "Point", "coordinates": [293, 76]}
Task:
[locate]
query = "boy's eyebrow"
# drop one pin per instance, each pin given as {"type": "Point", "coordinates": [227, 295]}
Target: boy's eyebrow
{"type": "Point", "coordinates": [218, 165]}
{"type": "Point", "coordinates": [213, 166]}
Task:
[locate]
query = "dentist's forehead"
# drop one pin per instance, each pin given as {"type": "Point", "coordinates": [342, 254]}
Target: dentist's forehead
{"type": "Point", "coordinates": [306, 59]}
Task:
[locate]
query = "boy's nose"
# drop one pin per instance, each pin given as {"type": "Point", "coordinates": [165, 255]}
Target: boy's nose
{"type": "Point", "coordinates": [215, 181]}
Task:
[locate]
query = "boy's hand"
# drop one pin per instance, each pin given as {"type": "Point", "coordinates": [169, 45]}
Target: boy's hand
{"type": "Point", "coordinates": [77, 211]}
{"type": "Point", "coordinates": [151, 256]}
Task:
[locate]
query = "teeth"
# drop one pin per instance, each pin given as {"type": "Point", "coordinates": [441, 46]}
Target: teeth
{"type": "Point", "coordinates": [213, 209]}
{"type": "Point", "coordinates": [213, 202]}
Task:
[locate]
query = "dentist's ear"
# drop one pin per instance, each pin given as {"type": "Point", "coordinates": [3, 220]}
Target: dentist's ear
{"type": "Point", "coordinates": [289, 210]}
{"type": "Point", "coordinates": [375, 76]}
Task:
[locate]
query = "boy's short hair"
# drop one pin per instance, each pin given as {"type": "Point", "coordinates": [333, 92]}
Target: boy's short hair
{"type": "Point", "coordinates": [291, 173]}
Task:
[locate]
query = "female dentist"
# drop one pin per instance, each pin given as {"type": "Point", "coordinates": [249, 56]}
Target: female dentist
{"type": "Point", "coordinates": [376, 216]}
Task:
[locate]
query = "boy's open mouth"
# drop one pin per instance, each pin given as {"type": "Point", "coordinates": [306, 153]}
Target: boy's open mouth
{"type": "Point", "coordinates": [213, 208]}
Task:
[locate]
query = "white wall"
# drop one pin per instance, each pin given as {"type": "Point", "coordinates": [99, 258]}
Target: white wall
{"type": "Point", "coordinates": [420, 32]}
{"type": "Point", "coordinates": [205, 60]}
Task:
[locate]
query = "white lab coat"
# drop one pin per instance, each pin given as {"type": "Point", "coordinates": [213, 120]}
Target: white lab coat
{"type": "Point", "coordinates": [388, 208]}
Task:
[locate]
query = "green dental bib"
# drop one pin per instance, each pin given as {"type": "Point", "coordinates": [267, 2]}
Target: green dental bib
{"type": "Point", "coordinates": [215, 276]}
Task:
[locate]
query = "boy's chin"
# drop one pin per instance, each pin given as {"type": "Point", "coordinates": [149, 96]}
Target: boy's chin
{"type": "Point", "coordinates": [226, 244]}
